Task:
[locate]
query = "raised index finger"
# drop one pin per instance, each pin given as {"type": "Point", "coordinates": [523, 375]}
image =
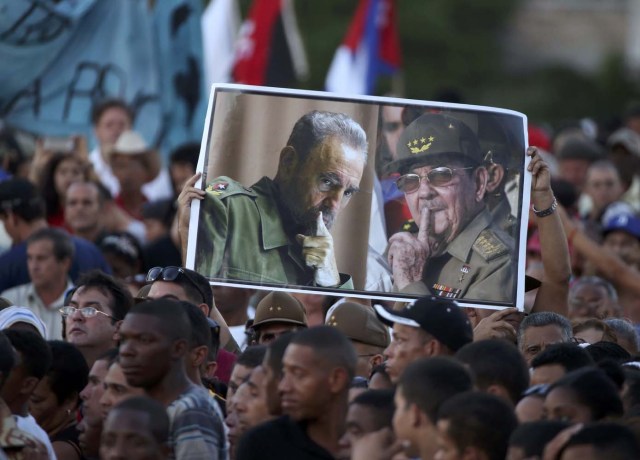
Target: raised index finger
{"type": "Point", "coordinates": [423, 228]}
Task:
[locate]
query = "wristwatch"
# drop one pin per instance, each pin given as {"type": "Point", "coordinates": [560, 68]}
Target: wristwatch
{"type": "Point", "coordinates": [546, 212]}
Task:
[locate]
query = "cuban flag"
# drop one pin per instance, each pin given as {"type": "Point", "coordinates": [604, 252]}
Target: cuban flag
{"type": "Point", "coordinates": [370, 49]}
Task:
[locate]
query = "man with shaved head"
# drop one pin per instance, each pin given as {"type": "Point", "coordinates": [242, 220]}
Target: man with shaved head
{"type": "Point", "coordinates": [154, 344]}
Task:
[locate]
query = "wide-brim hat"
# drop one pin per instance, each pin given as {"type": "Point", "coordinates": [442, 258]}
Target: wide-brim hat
{"type": "Point", "coordinates": [130, 143]}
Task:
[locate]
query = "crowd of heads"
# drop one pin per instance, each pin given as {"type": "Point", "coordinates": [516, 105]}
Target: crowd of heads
{"type": "Point", "coordinates": [101, 373]}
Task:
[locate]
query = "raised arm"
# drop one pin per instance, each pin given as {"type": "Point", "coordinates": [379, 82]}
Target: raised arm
{"type": "Point", "coordinates": [610, 265]}
{"type": "Point", "coordinates": [552, 294]}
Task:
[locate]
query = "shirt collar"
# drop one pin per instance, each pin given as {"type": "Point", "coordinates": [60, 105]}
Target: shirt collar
{"type": "Point", "coordinates": [33, 296]}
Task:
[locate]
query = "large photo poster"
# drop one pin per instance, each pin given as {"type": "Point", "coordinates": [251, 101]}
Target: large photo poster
{"type": "Point", "coordinates": [361, 196]}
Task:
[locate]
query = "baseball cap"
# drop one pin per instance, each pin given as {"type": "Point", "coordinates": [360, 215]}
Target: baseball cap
{"type": "Point", "coordinates": [279, 307]}
{"type": "Point", "coordinates": [433, 134]}
{"type": "Point", "coordinates": [130, 143]}
{"type": "Point", "coordinates": [359, 323]}
{"type": "Point", "coordinates": [441, 318]}
{"type": "Point", "coordinates": [16, 192]}
{"type": "Point", "coordinates": [624, 223]}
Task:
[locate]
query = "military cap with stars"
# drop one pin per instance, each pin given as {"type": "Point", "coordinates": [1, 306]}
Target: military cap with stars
{"type": "Point", "coordinates": [431, 135]}
{"type": "Point", "coordinates": [279, 307]}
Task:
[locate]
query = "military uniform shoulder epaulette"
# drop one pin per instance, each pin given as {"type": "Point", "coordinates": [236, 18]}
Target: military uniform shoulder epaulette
{"type": "Point", "coordinates": [222, 187]}
{"type": "Point", "coordinates": [489, 245]}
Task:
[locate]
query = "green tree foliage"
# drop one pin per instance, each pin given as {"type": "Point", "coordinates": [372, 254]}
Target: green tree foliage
{"type": "Point", "coordinates": [456, 45]}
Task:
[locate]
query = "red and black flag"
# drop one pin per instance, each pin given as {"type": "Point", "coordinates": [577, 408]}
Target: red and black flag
{"type": "Point", "coordinates": [269, 51]}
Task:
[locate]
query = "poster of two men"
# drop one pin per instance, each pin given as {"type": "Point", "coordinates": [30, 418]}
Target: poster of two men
{"type": "Point", "coordinates": [371, 197]}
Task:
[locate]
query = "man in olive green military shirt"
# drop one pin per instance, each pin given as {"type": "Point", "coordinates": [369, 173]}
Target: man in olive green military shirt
{"type": "Point", "coordinates": [277, 231]}
{"type": "Point", "coordinates": [458, 250]}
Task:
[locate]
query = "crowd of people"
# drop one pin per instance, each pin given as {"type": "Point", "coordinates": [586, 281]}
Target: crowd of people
{"type": "Point", "coordinates": [111, 348]}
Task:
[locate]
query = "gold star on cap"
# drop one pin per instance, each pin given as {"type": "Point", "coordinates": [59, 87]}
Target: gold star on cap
{"type": "Point", "coordinates": [423, 148]}
{"type": "Point", "coordinates": [431, 138]}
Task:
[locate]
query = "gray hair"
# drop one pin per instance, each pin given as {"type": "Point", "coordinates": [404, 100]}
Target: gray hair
{"type": "Point", "coordinates": [624, 329]}
{"type": "Point", "coordinates": [546, 318]}
{"type": "Point", "coordinates": [595, 281]}
{"type": "Point", "coordinates": [314, 127]}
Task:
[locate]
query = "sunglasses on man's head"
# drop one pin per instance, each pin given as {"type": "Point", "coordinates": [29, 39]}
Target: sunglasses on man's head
{"type": "Point", "coordinates": [172, 274]}
{"type": "Point", "coordinates": [439, 176]}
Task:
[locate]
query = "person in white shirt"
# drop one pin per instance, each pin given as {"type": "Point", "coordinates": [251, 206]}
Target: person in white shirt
{"type": "Point", "coordinates": [49, 255]}
{"type": "Point", "coordinates": [110, 119]}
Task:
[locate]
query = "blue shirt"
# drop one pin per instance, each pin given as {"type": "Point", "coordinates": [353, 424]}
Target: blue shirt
{"type": "Point", "coordinates": [13, 263]}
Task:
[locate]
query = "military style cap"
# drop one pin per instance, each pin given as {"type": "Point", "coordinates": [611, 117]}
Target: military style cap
{"type": "Point", "coordinates": [359, 323]}
{"type": "Point", "coordinates": [441, 318]}
{"type": "Point", "coordinates": [279, 307]}
{"type": "Point", "coordinates": [434, 134]}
